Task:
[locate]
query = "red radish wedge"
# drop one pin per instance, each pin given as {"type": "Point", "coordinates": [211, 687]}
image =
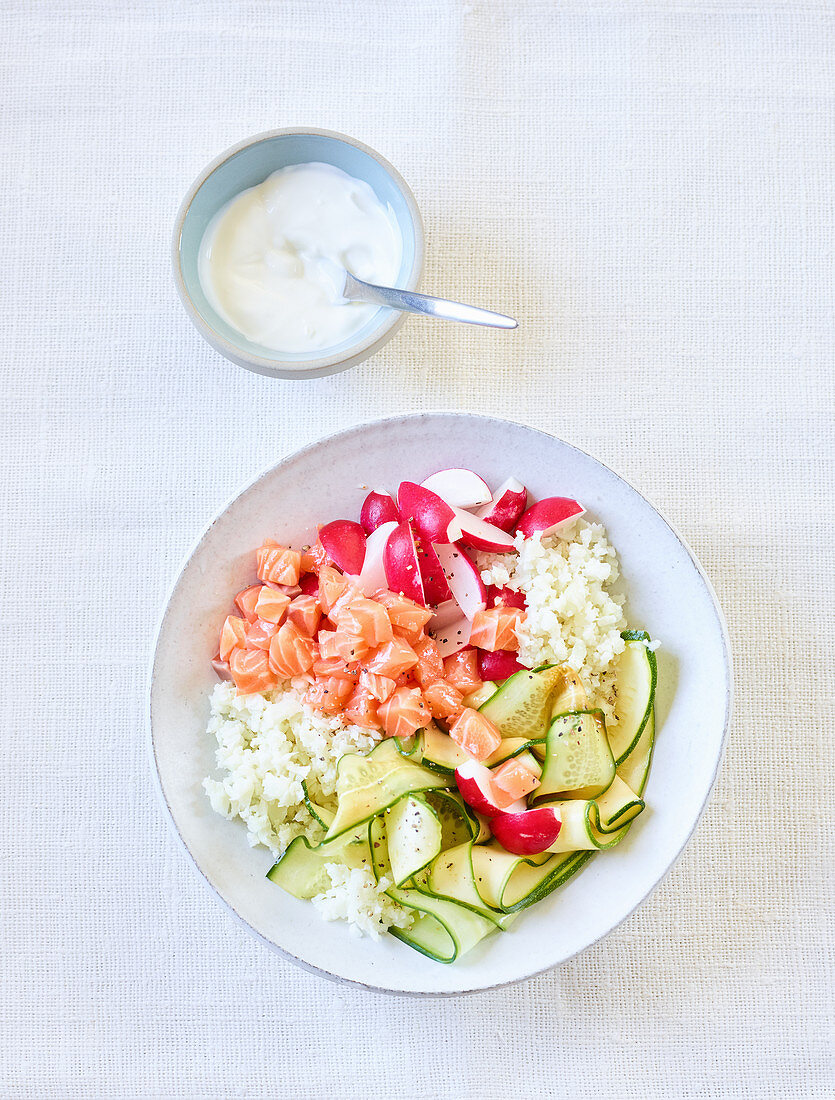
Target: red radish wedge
{"type": "Point", "coordinates": [459, 488]}
{"type": "Point", "coordinates": [402, 567]}
{"type": "Point", "coordinates": [505, 597]}
{"type": "Point", "coordinates": [372, 577]}
{"type": "Point", "coordinates": [497, 665]}
{"type": "Point", "coordinates": [309, 584]}
{"type": "Point", "coordinates": [549, 516]}
{"type": "Point", "coordinates": [479, 534]}
{"type": "Point", "coordinates": [434, 582]}
{"type": "Point", "coordinates": [378, 508]}
{"type": "Point", "coordinates": [463, 578]}
{"type": "Point", "coordinates": [452, 637]}
{"type": "Point", "coordinates": [475, 783]}
{"type": "Point", "coordinates": [507, 506]}
{"type": "Point", "coordinates": [445, 613]}
{"type": "Point", "coordinates": [344, 543]}
{"type": "Point", "coordinates": [526, 833]}
{"type": "Point", "coordinates": [431, 516]}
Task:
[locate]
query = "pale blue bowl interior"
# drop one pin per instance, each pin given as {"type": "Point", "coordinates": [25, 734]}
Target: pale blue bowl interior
{"type": "Point", "coordinates": [251, 166]}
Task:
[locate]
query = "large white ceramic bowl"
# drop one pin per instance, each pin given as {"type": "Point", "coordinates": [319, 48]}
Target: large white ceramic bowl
{"type": "Point", "coordinates": [668, 594]}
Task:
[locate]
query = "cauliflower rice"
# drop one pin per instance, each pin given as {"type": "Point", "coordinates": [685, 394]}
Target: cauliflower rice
{"type": "Point", "coordinates": [267, 744]}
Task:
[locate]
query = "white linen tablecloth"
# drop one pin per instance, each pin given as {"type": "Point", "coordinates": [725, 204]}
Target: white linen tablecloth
{"type": "Point", "coordinates": [649, 187]}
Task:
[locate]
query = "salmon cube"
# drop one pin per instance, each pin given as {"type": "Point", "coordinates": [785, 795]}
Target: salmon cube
{"type": "Point", "coordinates": [403, 713]}
{"type": "Point", "coordinates": [443, 699]}
{"type": "Point", "coordinates": [233, 633]}
{"type": "Point", "coordinates": [259, 634]}
{"type": "Point", "coordinates": [331, 586]}
{"type": "Point", "coordinates": [326, 667]}
{"type": "Point", "coordinates": [380, 687]}
{"type": "Point", "coordinates": [251, 671]}
{"type": "Point", "coordinates": [349, 647]}
{"type": "Point", "coordinates": [430, 666]}
{"type": "Point", "coordinates": [496, 629]}
{"type": "Point", "coordinates": [392, 659]}
{"type": "Point", "coordinates": [305, 612]}
{"type": "Point", "coordinates": [513, 780]}
{"type": "Point", "coordinates": [407, 618]}
{"type": "Point", "coordinates": [361, 709]}
{"type": "Point", "coordinates": [329, 696]}
{"type": "Point", "coordinates": [314, 558]}
{"type": "Point", "coordinates": [328, 645]}
{"type": "Point", "coordinates": [461, 670]}
{"type": "Point", "coordinates": [246, 601]}
{"type": "Point", "coordinates": [475, 734]}
{"type": "Point", "coordinates": [271, 605]}
{"type": "Point", "coordinates": [221, 668]}
{"type": "Point", "coordinates": [291, 652]}
{"type": "Point", "coordinates": [363, 618]}
{"type": "Point", "coordinates": [278, 563]}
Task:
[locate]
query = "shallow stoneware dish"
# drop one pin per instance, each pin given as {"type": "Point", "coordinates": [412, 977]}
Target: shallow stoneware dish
{"type": "Point", "coordinates": [668, 595]}
{"type": "Point", "coordinates": [248, 164]}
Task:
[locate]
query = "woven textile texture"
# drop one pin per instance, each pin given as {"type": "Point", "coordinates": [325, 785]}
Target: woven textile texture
{"type": "Point", "coordinates": [648, 187]}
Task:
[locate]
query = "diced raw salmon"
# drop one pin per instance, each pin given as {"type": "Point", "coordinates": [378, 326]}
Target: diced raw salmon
{"type": "Point", "coordinates": [221, 667]}
{"type": "Point", "coordinates": [329, 695]}
{"type": "Point", "coordinates": [291, 652]}
{"type": "Point", "coordinates": [271, 604]}
{"type": "Point", "coordinates": [361, 709]}
{"type": "Point", "coordinates": [335, 666]}
{"type": "Point", "coordinates": [233, 633]}
{"type": "Point", "coordinates": [380, 687]}
{"type": "Point", "coordinates": [430, 666]}
{"type": "Point", "coordinates": [246, 601]}
{"type": "Point", "coordinates": [349, 647]}
{"type": "Point", "coordinates": [363, 618]}
{"type": "Point", "coordinates": [443, 699]}
{"type": "Point", "coordinates": [403, 713]}
{"type": "Point", "coordinates": [331, 586]}
{"type": "Point", "coordinates": [461, 670]}
{"type": "Point", "coordinates": [328, 643]}
{"type": "Point", "coordinates": [259, 634]}
{"type": "Point", "coordinates": [496, 628]}
{"type": "Point", "coordinates": [475, 734]}
{"type": "Point", "coordinates": [250, 669]}
{"type": "Point", "coordinates": [289, 590]}
{"type": "Point", "coordinates": [392, 659]}
{"type": "Point", "coordinates": [512, 780]}
{"type": "Point", "coordinates": [305, 612]}
{"type": "Point", "coordinates": [407, 617]}
{"type": "Point", "coordinates": [314, 558]}
{"type": "Point", "coordinates": [278, 563]}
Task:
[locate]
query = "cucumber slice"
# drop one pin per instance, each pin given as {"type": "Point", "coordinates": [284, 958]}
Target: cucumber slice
{"type": "Point", "coordinates": [366, 785]}
{"type": "Point", "coordinates": [512, 883]}
{"type": "Point", "coordinates": [458, 822]}
{"type": "Point", "coordinates": [451, 876]}
{"type": "Point", "coordinates": [636, 673]}
{"type": "Point", "coordinates": [322, 814]}
{"type": "Point", "coordinates": [597, 824]}
{"type": "Point", "coordinates": [301, 870]}
{"type": "Point", "coordinates": [577, 757]}
{"type": "Point", "coordinates": [634, 770]}
{"type": "Point", "coordinates": [414, 837]}
{"type": "Point", "coordinates": [522, 705]}
{"type": "Point", "coordinates": [513, 746]}
{"type": "Point", "coordinates": [441, 753]}
{"type": "Point", "coordinates": [478, 698]}
{"type": "Point", "coordinates": [571, 695]}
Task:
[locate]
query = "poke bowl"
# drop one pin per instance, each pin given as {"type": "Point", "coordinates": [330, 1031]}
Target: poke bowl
{"type": "Point", "coordinates": [448, 700]}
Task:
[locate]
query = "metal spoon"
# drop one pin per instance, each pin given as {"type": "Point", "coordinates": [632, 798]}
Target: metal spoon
{"type": "Point", "coordinates": [409, 301]}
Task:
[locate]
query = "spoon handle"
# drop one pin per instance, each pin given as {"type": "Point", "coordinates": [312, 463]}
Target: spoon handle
{"type": "Point", "coordinates": [409, 301]}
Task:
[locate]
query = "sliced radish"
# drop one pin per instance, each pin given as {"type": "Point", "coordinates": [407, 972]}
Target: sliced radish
{"type": "Point", "coordinates": [475, 783]}
{"type": "Point", "coordinates": [463, 578]}
{"type": "Point", "coordinates": [497, 665]}
{"type": "Point", "coordinates": [344, 543]}
{"type": "Point", "coordinates": [507, 505]}
{"type": "Point", "coordinates": [372, 577]}
{"type": "Point", "coordinates": [452, 637]}
{"type": "Point", "coordinates": [459, 488]}
{"type": "Point", "coordinates": [378, 508]}
{"type": "Point", "coordinates": [527, 832]}
{"type": "Point", "coordinates": [309, 584]}
{"type": "Point", "coordinates": [549, 516]}
{"type": "Point", "coordinates": [505, 597]}
{"type": "Point", "coordinates": [434, 582]}
{"type": "Point", "coordinates": [402, 567]}
{"type": "Point", "coordinates": [431, 516]}
{"type": "Point", "coordinates": [445, 613]}
{"type": "Point", "coordinates": [479, 534]}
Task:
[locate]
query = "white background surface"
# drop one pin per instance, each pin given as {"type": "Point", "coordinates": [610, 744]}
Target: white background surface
{"type": "Point", "coordinates": [649, 188]}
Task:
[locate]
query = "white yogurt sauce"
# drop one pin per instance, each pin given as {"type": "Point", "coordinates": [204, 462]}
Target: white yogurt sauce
{"type": "Point", "coordinates": [267, 258]}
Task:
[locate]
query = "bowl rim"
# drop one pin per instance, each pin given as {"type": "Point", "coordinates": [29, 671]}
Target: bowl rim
{"type": "Point", "coordinates": [323, 364]}
{"type": "Point", "coordinates": [309, 447]}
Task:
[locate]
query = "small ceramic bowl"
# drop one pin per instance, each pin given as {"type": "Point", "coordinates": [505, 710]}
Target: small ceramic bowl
{"type": "Point", "coordinates": [248, 164]}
